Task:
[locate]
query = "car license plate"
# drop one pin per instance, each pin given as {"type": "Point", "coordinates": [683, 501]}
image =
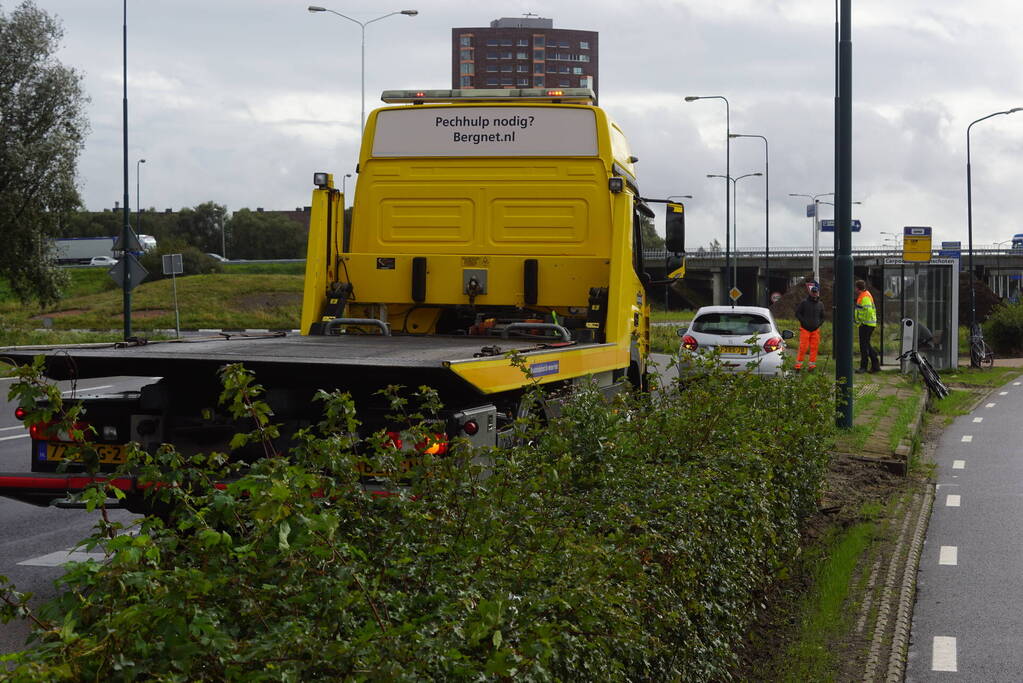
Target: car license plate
{"type": "Point", "coordinates": [740, 350]}
{"type": "Point", "coordinates": [108, 453]}
{"type": "Point", "coordinates": [404, 467]}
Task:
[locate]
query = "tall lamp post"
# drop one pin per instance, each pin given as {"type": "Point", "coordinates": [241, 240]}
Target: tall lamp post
{"type": "Point", "coordinates": [126, 284]}
{"type": "Point", "coordinates": [138, 203]}
{"type": "Point", "coordinates": [362, 26]}
{"type": "Point", "coordinates": [816, 229]}
{"type": "Point", "coordinates": [767, 215]}
{"type": "Point", "coordinates": [735, 232]}
{"type": "Point", "coordinates": [728, 159]}
{"type": "Point", "coordinates": [974, 359]}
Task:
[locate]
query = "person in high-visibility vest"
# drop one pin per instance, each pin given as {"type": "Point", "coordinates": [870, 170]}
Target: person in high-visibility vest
{"type": "Point", "coordinates": [810, 314]}
{"type": "Point", "coordinates": [865, 317]}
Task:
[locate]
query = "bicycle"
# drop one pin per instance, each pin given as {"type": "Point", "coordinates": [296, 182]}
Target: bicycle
{"type": "Point", "coordinates": [927, 371]}
{"type": "Point", "coordinates": [981, 355]}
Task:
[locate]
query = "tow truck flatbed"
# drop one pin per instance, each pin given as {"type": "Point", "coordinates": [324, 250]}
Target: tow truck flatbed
{"type": "Point", "coordinates": [281, 357]}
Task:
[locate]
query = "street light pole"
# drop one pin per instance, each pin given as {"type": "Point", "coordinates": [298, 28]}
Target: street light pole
{"type": "Point", "coordinates": [816, 229]}
{"type": "Point", "coordinates": [362, 26]}
{"type": "Point", "coordinates": [728, 159]}
{"type": "Point", "coordinates": [974, 360]}
{"type": "Point", "coordinates": [735, 259]}
{"type": "Point", "coordinates": [767, 216]}
{"type": "Point", "coordinates": [126, 283]}
{"type": "Point", "coordinates": [138, 203]}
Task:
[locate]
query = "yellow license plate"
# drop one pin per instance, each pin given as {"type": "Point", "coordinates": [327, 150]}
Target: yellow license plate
{"type": "Point", "coordinates": [114, 454]}
{"type": "Point", "coordinates": [741, 350]}
{"type": "Point", "coordinates": [404, 467]}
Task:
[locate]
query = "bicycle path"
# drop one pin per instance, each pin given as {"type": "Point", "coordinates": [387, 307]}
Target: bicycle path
{"type": "Point", "coordinates": [967, 618]}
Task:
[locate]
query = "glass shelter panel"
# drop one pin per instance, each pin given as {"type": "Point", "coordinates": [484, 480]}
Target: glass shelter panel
{"type": "Point", "coordinates": [928, 293]}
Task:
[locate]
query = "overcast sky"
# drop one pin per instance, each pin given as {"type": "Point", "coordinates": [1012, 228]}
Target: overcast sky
{"type": "Point", "coordinates": [240, 102]}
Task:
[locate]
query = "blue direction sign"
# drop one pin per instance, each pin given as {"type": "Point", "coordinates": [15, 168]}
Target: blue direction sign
{"type": "Point", "coordinates": [828, 225]}
{"type": "Point", "coordinates": [916, 231]}
{"type": "Point", "coordinates": [951, 250]}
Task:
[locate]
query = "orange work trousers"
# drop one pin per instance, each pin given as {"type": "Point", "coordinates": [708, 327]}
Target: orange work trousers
{"type": "Point", "coordinates": [808, 340]}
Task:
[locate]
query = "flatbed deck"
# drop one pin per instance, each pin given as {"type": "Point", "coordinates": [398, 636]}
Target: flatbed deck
{"type": "Point", "coordinates": [274, 357]}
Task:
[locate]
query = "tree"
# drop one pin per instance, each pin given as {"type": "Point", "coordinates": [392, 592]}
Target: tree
{"type": "Point", "coordinates": [200, 227]}
{"type": "Point", "coordinates": [651, 240]}
{"type": "Point", "coordinates": [256, 235]}
{"type": "Point", "coordinates": [42, 132]}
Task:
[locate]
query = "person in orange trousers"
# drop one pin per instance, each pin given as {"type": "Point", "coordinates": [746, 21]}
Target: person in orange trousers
{"type": "Point", "coordinates": [810, 314]}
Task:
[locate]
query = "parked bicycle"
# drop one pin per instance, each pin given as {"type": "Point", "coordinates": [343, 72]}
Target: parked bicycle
{"type": "Point", "coordinates": [927, 371]}
{"type": "Point", "coordinates": [981, 355]}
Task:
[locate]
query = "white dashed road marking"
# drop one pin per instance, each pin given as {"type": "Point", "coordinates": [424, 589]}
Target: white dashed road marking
{"type": "Point", "coordinates": [949, 555]}
{"type": "Point", "coordinates": [16, 436]}
{"type": "Point", "coordinates": [959, 464]}
{"type": "Point", "coordinates": [1003, 393]}
{"type": "Point", "coordinates": [1016, 384]}
{"type": "Point", "coordinates": [943, 654]}
{"type": "Point", "coordinates": [990, 405]}
{"type": "Point", "coordinates": [62, 557]}
{"type": "Point", "coordinates": [967, 438]}
{"type": "Point", "coordinates": [978, 419]}
{"type": "Point", "coordinates": [952, 500]}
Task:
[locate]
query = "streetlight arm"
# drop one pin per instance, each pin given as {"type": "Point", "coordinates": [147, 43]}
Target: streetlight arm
{"type": "Point", "coordinates": [383, 17]}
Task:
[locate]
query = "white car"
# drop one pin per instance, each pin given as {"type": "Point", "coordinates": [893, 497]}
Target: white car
{"type": "Point", "coordinates": [216, 257]}
{"type": "Point", "coordinates": [102, 261]}
{"type": "Point", "coordinates": [739, 338]}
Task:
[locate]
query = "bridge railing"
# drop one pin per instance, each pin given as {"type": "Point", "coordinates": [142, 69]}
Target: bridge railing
{"type": "Point", "coordinates": [744, 253]}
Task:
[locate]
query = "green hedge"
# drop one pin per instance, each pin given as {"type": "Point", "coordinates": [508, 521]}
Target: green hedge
{"type": "Point", "coordinates": [1003, 329]}
{"type": "Point", "coordinates": [622, 541]}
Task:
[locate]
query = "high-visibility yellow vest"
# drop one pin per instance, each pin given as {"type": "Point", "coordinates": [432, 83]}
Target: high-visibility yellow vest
{"type": "Point", "coordinates": [865, 313]}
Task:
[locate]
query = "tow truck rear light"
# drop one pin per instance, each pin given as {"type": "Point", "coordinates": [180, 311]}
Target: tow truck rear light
{"type": "Point", "coordinates": [43, 431]}
{"type": "Point", "coordinates": [436, 444]}
{"type": "Point", "coordinates": [20, 413]}
{"type": "Point", "coordinates": [773, 344]}
{"type": "Point", "coordinates": [689, 343]}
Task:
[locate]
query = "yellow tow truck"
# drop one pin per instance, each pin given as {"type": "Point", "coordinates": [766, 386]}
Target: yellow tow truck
{"type": "Point", "coordinates": [484, 223]}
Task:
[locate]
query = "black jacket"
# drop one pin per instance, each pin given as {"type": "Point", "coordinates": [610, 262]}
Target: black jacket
{"type": "Point", "coordinates": [810, 313]}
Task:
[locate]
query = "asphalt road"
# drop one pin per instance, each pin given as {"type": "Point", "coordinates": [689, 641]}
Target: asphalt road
{"type": "Point", "coordinates": [35, 541]}
{"type": "Point", "coordinates": [967, 619]}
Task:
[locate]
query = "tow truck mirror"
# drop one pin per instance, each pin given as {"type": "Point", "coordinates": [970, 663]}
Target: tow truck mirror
{"type": "Point", "coordinates": [675, 228]}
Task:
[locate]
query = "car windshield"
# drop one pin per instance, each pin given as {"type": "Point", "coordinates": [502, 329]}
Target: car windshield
{"type": "Point", "coordinates": [732, 323]}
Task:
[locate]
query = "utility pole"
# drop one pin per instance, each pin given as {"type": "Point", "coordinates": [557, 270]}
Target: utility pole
{"type": "Point", "coordinates": [843, 293]}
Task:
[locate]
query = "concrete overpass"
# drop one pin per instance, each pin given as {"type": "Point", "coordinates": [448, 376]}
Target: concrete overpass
{"type": "Point", "coordinates": [706, 282]}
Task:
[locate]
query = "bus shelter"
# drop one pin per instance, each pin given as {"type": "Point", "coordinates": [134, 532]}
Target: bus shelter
{"type": "Point", "coordinates": [927, 293]}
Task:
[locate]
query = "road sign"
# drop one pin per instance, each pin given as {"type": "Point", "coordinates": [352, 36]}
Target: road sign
{"type": "Point", "coordinates": [734, 293]}
{"type": "Point", "coordinates": [811, 209]}
{"type": "Point", "coordinates": [133, 242]}
{"type": "Point", "coordinates": [135, 270]}
{"type": "Point", "coordinates": [951, 249]}
{"type": "Point", "coordinates": [828, 225]}
{"type": "Point", "coordinates": [172, 264]}
{"type": "Point", "coordinates": [775, 297]}
{"type": "Point", "coordinates": [916, 244]}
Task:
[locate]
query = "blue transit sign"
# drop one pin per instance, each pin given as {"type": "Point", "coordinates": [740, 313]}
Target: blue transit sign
{"type": "Point", "coordinates": [828, 225]}
{"type": "Point", "coordinates": [916, 231]}
{"type": "Point", "coordinates": [951, 250]}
